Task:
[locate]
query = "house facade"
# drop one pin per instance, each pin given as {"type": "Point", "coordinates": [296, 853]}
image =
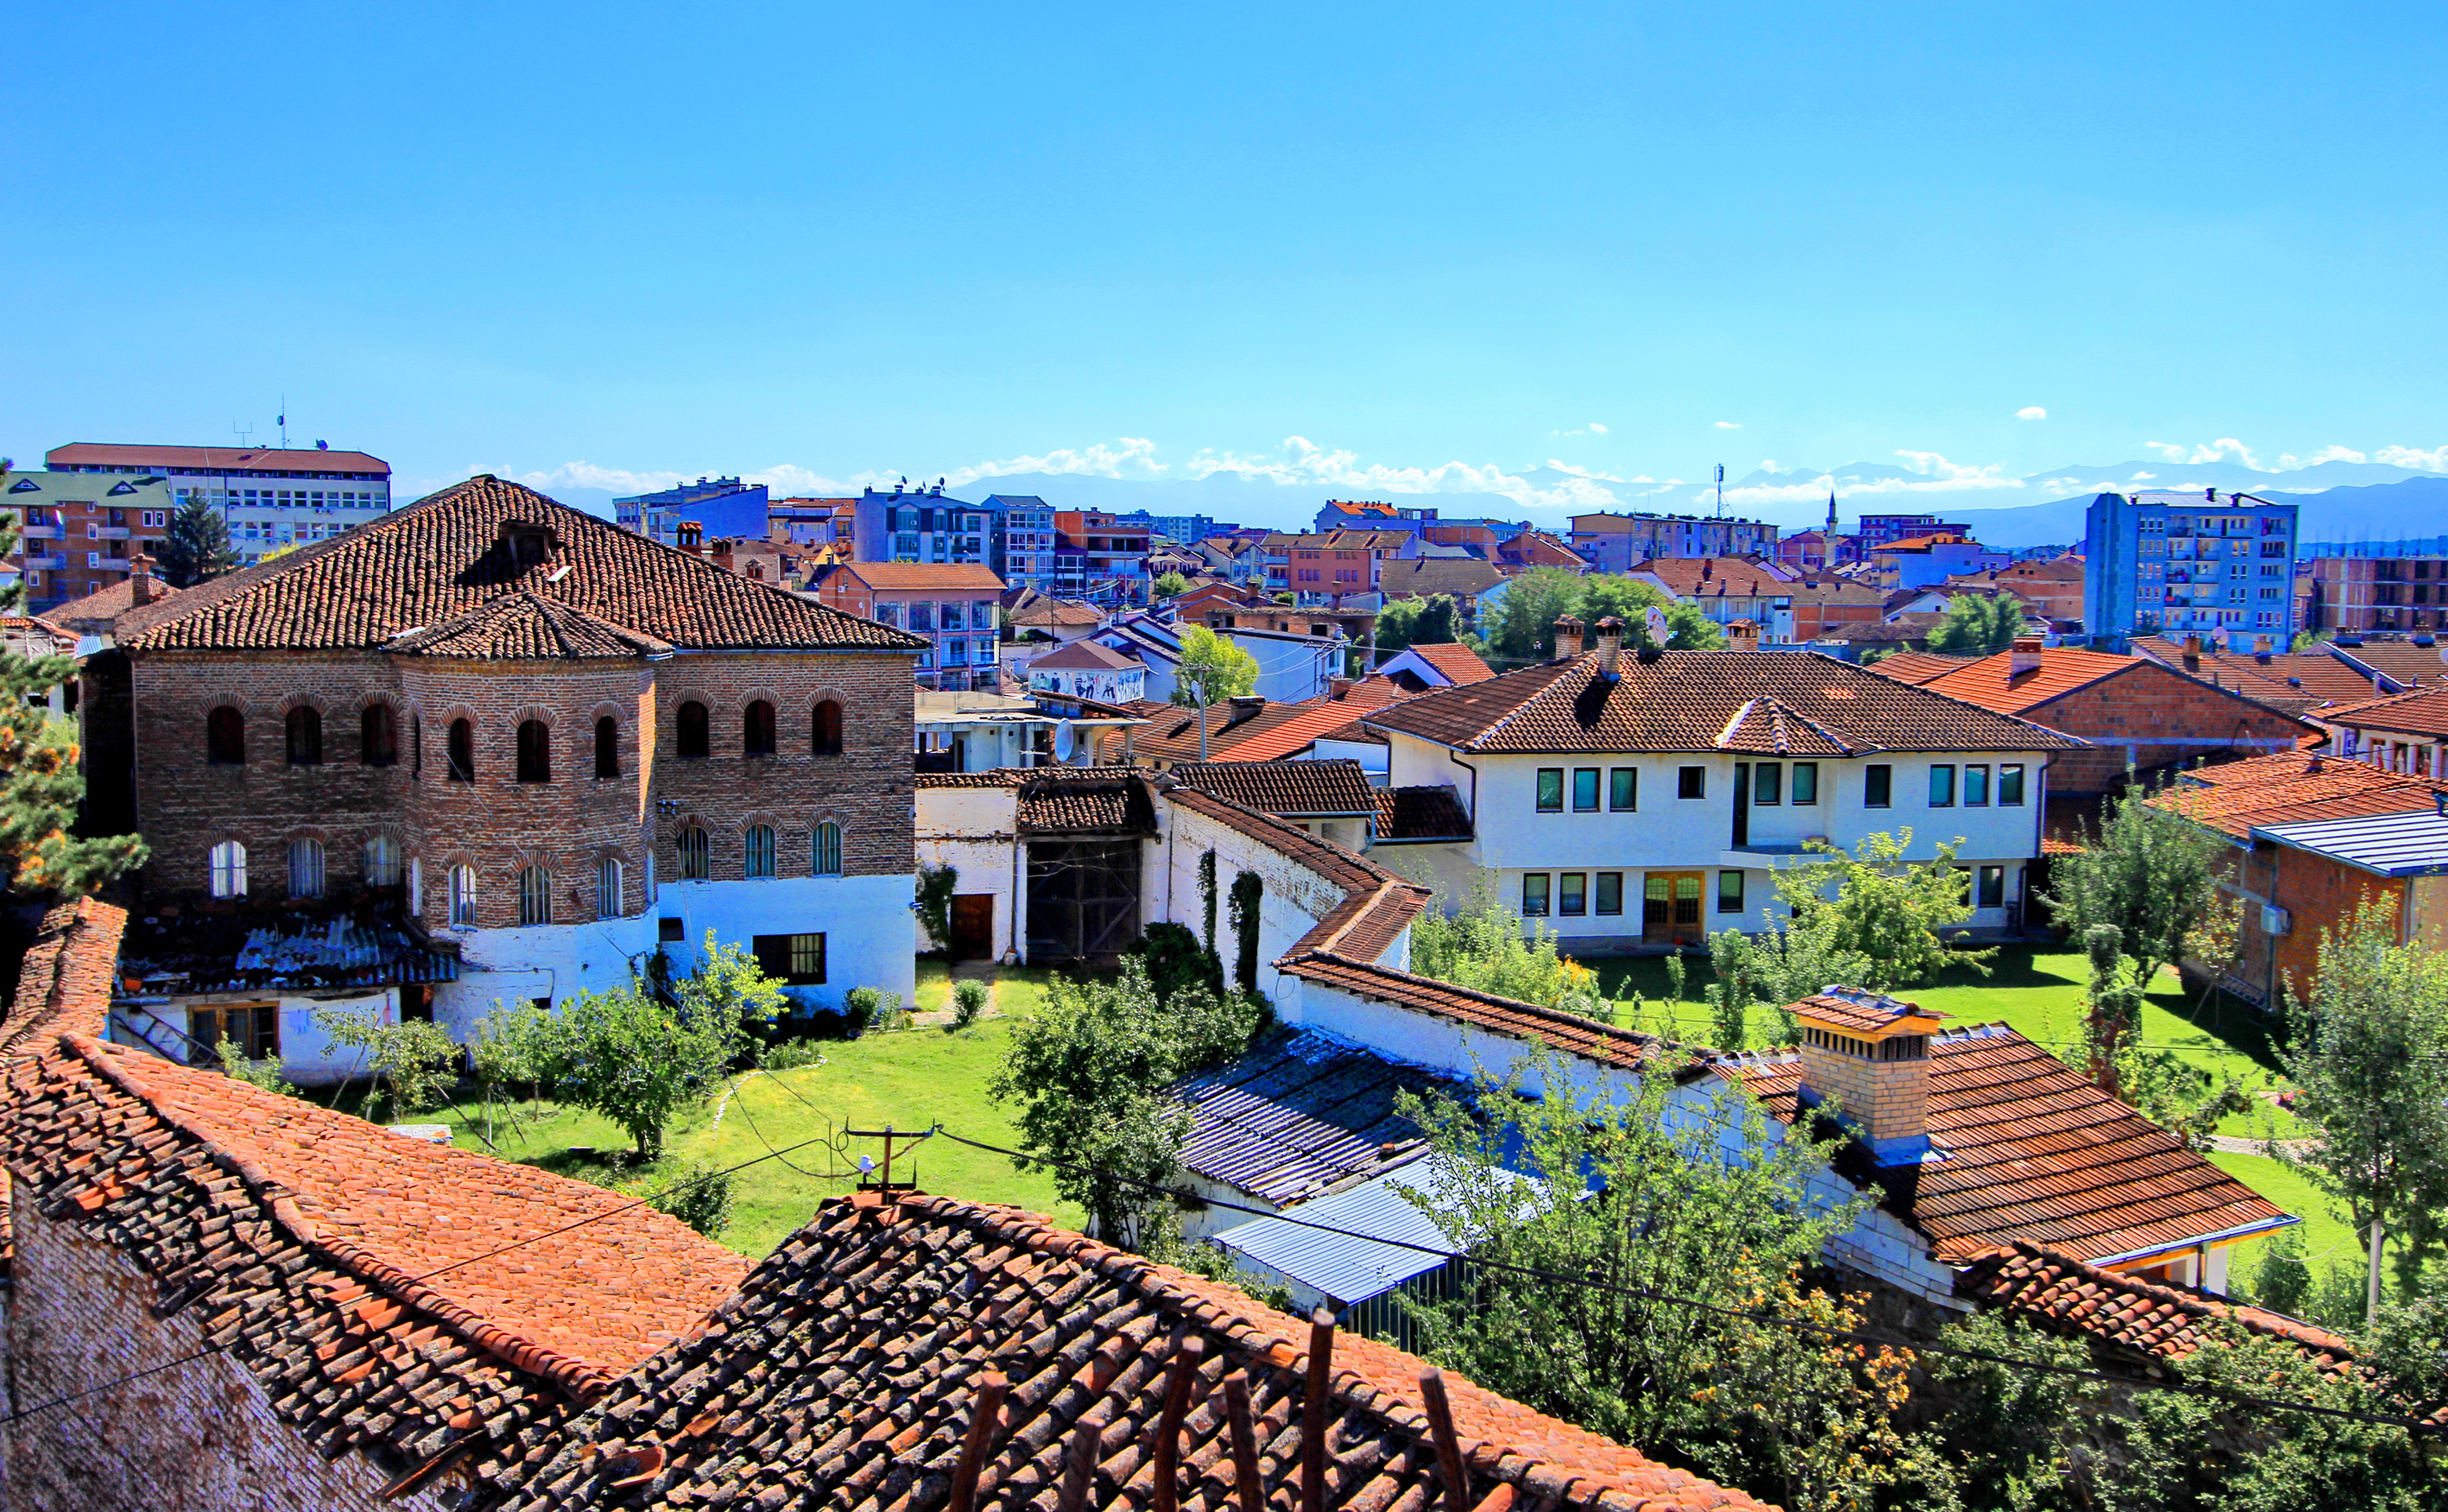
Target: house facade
{"type": "Point", "coordinates": [952, 605]}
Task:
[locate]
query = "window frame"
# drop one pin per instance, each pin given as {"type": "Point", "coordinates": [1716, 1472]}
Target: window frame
{"type": "Point", "coordinates": [1585, 777]}
{"type": "Point", "coordinates": [534, 751]}
{"type": "Point", "coordinates": [305, 865]}
{"type": "Point", "coordinates": [380, 853]}
{"type": "Point", "coordinates": [1937, 782]}
{"type": "Point", "coordinates": [611, 882]}
{"type": "Point", "coordinates": [1768, 784]}
{"type": "Point", "coordinates": [1538, 909]}
{"type": "Point", "coordinates": [459, 896]}
{"type": "Point", "coordinates": [1550, 792]}
{"type": "Point", "coordinates": [378, 735]}
{"type": "Point", "coordinates": [224, 738]}
{"type": "Point", "coordinates": [756, 731]}
{"type": "Point", "coordinates": [821, 741]}
{"type": "Point", "coordinates": [691, 734]}
{"type": "Point", "coordinates": [302, 735]}
{"type": "Point", "coordinates": [818, 850]}
{"type": "Point", "coordinates": [1623, 790]}
{"type": "Point", "coordinates": [459, 746]}
{"type": "Point", "coordinates": [695, 848]}
{"type": "Point", "coordinates": [758, 861]}
{"type": "Point", "coordinates": [535, 897]}
{"type": "Point", "coordinates": [1989, 886]}
{"type": "Point", "coordinates": [1572, 894]}
{"type": "Point", "coordinates": [1976, 777]}
{"type": "Point", "coordinates": [800, 963]}
{"type": "Point", "coordinates": [1692, 784]}
{"type": "Point", "coordinates": [1879, 785]}
{"type": "Point", "coordinates": [2013, 783]}
{"type": "Point", "coordinates": [225, 870]}
{"type": "Point", "coordinates": [1730, 899]}
{"type": "Point", "coordinates": [1598, 886]}
{"type": "Point", "coordinates": [1803, 791]}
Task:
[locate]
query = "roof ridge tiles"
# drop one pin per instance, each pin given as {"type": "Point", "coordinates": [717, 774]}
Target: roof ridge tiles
{"type": "Point", "coordinates": [580, 1378]}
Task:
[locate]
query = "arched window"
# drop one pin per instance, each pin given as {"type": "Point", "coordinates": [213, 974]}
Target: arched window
{"type": "Point", "coordinates": [756, 730]}
{"type": "Point", "coordinates": [697, 861]}
{"type": "Point", "coordinates": [463, 894]}
{"type": "Point", "coordinates": [305, 869]}
{"type": "Point", "coordinates": [826, 860]}
{"type": "Point", "coordinates": [756, 852]}
{"type": "Point", "coordinates": [382, 862]}
{"type": "Point", "coordinates": [828, 729]}
{"type": "Point", "coordinates": [693, 739]}
{"type": "Point", "coordinates": [305, 736]}
{"type": "Point", "coordinates": [463, 751]}
{"type": "Point", "coordinates": [535, 896]}
{"type": "Point", "coordinates": [229, 869]}
{"type": "Point", "coordinates": [608, 902]}
{"type": "Point", "coordinates": [756, 572]}
{"type": "Point", "coordinates": [225, 737]}
{"type": "Point", "coordinates": [608, 747]}
{"type": "Point", "coordinates": [535, 751]}
{"type": "Point", "coordinates": [378, 735]}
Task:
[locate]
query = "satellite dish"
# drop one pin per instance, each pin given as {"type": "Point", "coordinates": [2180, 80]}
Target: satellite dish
{"type": "Point", "coordinates": [1064, 742]}
{"type": "Point", "coordinates": [1660, 631]}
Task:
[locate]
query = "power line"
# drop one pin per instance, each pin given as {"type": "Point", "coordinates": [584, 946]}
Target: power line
{"type": "Point", "coordinates": [1649, 1294]}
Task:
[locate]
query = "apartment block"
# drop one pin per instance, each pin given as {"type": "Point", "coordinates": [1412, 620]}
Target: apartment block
{"type": "Point", "coordinates": [718, 507]}
{"type": "Point", "coordinates": [273, 497]}
{"type": "Point", "coordinates": [1611, 543]}
{"type": "Point", "coordinates": [79, 534]}
{"type": "Point", "coordinates": [2357, 594]}
{"type": "Point", "coordinates": [2217, 565]}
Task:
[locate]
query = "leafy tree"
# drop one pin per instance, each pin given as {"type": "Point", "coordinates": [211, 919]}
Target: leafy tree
{"type": "Point", "coordinates": [1978, 622]}
{"type": "Point", "coordinates": [2152, 873]}
{"type": "Point", "coordinates": [2369, 1045]}
{"type": "Point", "coordinates": [196, 548]}
{"type": "Point", "coordinates": [40, 785]}
{"type": "Point", "coordinates": [1169, 585]}
{"type": "Point", "coordinates": [412, 1061]}
{"type": "Point", "coordinates": [1484, 947]}
{"type": "Point", "coordinates": [1523, 625]}
{"type": "Point", "coordinates": [1407, 623]}
{"type": "Point", "coordinates": [1091, 1070]}
{"type": "Point", "coordinates": [1175, 959]}
{"type": "Point", "coordinates": [639, 1056]}
{"type": "Point", "coordinates": [264, 1076]}
{"type": "Point", "coordinates": [1635, 1190]}
{"type": "Point", "coordinates": [1874, 915]}
{"type": "Point", "coordinates": [506, 1049]}
{"type": "Point", "coordinates": [1211, 662]}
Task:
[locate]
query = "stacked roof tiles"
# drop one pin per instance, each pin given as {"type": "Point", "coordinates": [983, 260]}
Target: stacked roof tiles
{"type": "Point", "coordinates": [70, 972]}
{"type": "Point", "coordinates": [1294, 789]}
{"type": "Point", "coordinates": [2235, 796]}
{"type": "Point", "coordinates": [846, 1374]}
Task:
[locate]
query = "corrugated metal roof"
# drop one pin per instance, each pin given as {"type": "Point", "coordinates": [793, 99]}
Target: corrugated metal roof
{"type": "Point", "coordinates": [1346, 1266]}
{"type": "Point", "coordinates": [1301, 1115]}
{"type": "Point", "coordinates": [2394, 845]}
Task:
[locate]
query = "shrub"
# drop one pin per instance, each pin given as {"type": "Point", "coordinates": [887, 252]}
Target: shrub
{"type": "Point", "coordinates": [797, 1053]}
{"type": "Point", "coordinates": [968, 1001]}
{"type": "Point", "coordinates": [700, 1197]}
{"type": "Point", "coordinates": [1175, 959]}
{"type": "Point", "coordinates": [865, 1008]}
{"type": "Point", "coordinates": [2281, 1279]}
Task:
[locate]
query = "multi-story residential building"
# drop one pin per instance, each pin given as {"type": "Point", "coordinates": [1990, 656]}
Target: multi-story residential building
{"type": "Point", "coordinates": [1611, 543]}
{"type": "Point", "coordinates": [814, 523]}
{"type": "Point", "coordinates": [271, 497]}
{"type": "Point", "coordinates": [79, 534]}
{"type": "Point", "coordinates": [1088, 670]}
{"type": "Point", "coordinates": [492, 748]}
{"type": "Point", "coordinates": [1875, 531]}
{"type": "Point", "coordinates": [1181, 529]}
{"type": "Point", "coordinates": [2353, 595]}
{"type": "Point", "coordinates": [718, 507]}
{"type": "Point", "coordinates": [920, 525]}
{"type": "Point", "coordinates": [1926, 560]}
{"type": "Point", "coordinates": [951, 604]}
{"type": "Point", "coordinates": [1024, 540]}
{"type": "Point", "coordinates": [1099, 557]}
{"type": "Point", "coordinates": [2219, 566]}
{"type": "Point", "coordinates": [1627, 799]}
{"type": "Point", "coordinates": [1726, 590]}
{"type": "Point", "coordinates": [2052, 586]}
{"type": "Point", "coordinates": [1368, 514]}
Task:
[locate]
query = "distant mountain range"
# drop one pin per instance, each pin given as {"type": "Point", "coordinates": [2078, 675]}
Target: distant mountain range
{"type": "Point", "coordinates": [2342, 501]}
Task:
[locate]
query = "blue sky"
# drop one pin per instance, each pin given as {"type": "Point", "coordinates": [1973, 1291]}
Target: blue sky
{"type": "Point", "coordinates": [1438, 245]}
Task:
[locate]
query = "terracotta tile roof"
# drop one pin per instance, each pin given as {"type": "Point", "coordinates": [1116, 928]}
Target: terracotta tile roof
{"type": "Point", "coordinates": [99, 611]}
{"type": "Point", "coordinates": [1569, 1033]}
{"type": "Point", "coordinates": [2404, 662]}
{"type": "Point", "coordinates": [1327, 860]}
{"type": "Point", "coordinates": [1173, 734]}
{"type": "Point", "coordinates": [1086, 653]}
{"type": "Point", "coordinates": [1047, 611]}
{"type": "Point", "coordinates": [1715, 576]}
{"type": "Point", "coordinates": [1991, 683]}
{"type": "Point", "coordinates": [214, 459]}
{"type": "Point", "coordinates": [2281, 675]}
{"type": "Point", "coordinates": [999, 777]}
{"type": "Point", "coordinates": [1427, 577]}
{"type": "Point", "coordinates": [1299, 1115]}
{"type": "Point", "coordinates": [70, 972]}
{"type": "Point", "coordinates": [910, 577]}
{"type": "Point", "coordinates": [2235, 796]}
{"type": "Point", "coordinates": [1918, 667]}
{"type": "Point", "coordinates": [1286, 787]}
{"type": "Point", "coordinates": [1868, 1012]}
{"type": "Point", "coordinates": [2140, 1319]}
{"type": "Point", "coordinates": [2031, 1150]}
{"type": "Point", "coordinates": [1454, 660]}
{"type": "Point", "coordinates": [447, 554]}
{"type": "Point", "coordinates": [1419, 813]}
{"type": "Point", "coordinates": [305, 1242]}
{"type": "Point", "coordinates": [1709, 700]}
{"type": "Point", "coordinates": [844, 1374]}
{"type": "Point", "coordinates": [1085, 800]}
{"type": "Point", "coordinates": [2422, 712]}
{"type": "Point", "coordinates": [520, 626]}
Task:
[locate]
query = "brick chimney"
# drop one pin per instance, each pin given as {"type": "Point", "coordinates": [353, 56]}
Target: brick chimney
{"type": "Point", "coordinates": [2260, 649]}
{"type": "Point", "coordinates": [692, 537]}
{"type": "Point", "coordinates": [1568, 637]}
{"type": "Point", "coordinates": [1243, 705]}
{"type": "Point", "coordinates": [140, 579]}
{"type": "Point", "coordinates": [1868, 1054]}
{"type": "Point", "coordinates": [2024, 656]}
{"type": "Point", "coordinates": [1742, 635]}
{"type": "Point", "coordinates": [1610, 644]}
{"type": "Point", "coordinates": [2192, 652]}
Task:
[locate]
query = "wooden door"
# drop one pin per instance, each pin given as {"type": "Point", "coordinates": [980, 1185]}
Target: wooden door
{"type": "Point", "coordinates": [1670, 908]}
{"type": "Point", "coordinates": [973, 926]}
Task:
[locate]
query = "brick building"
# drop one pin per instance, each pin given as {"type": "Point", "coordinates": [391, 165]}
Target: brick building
{"type": "Point", "coordinates": [80, 534]}
{"type": "Point", "coordinates": [2355, 594]}
{"type": "Point", "coordinates": [949, 605]}
{"type": "Point", "coordinates": [541, 745]}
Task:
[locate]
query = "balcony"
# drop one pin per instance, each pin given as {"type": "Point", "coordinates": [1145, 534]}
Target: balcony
{"type": "Point", "coordinates": [39, 532]}
{"type": "Point", "coordinates": [106, 532]}
{"type": "Point", "coordinates": [47, 563]}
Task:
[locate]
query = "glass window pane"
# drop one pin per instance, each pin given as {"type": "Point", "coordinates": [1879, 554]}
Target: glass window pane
{"type": "Point", "coordinates": [1877, 785]}
{"type": "Point", "coordinates": [1572, 892]}
{"type": "Point", "coordinates": [1610, 893]}
{"type": "Point", "coordinates": [1691, 782]}
{"type": "Point", "coordinates": [1806, 782]}
{"type": "Point", "coordinates": [1623, 789]}
{"type": "Point", "coordinates": [1551, 790]}
{"type": "Point", "coordinates": [1534, 895]}
{"type": "Point", "coordinates": [1729, 893]}
{"type": "Point", "coordinates": [1941, 786]}
{"type": "Point", "coordinates": [1976, 787]}
{"type": "Point", "coordinates": [1768, 783]}
{"type": "Point", "coordinates": [1585, 790]}
{"type": "Point", "coordinates": [2010, 786]}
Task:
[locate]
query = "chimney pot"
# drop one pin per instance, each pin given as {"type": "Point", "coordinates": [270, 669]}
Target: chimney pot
{"type": "Point", "coordinates": [1869, 1053]}
{"type": "Point", "coordinates": [139, 579]}
{"type": "Point", "coordinates": [1610, 645]}
{"type": "Point", "coordinates": [2025, 657]}
{"type": "Point", "coordinates": [1568, 637]}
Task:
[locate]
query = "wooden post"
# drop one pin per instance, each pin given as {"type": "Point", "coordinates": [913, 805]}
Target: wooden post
{"type": "Point", "coordinates": [985, 1410]}
{"type": "Point", "coordinates": [1082, 1468]}
{"type": "Point", "coordinates": [1245, 1441]}
{"type": "Point", "coordinates": [1321, 1368]}
{"type": "Point", "coordinates": [1167, 1469]}
{"type": "Point", "coordinates": [1457, 1479]}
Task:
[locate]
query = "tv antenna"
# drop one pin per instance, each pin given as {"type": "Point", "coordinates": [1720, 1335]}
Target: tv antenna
{"type": "Point", "coordinates": [283, 420]}
{"type": "Point", "coordinates": [243, 432]}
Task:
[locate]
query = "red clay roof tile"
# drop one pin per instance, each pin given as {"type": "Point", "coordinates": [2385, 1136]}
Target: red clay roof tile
{"type": "Point", "coordinates": [1285, 788]}
{"type": "Point", "coordinates": [2235, 796]}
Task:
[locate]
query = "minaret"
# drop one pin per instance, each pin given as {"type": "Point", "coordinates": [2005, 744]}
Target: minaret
{"type": "Point", "coordinates": [1831, 511]}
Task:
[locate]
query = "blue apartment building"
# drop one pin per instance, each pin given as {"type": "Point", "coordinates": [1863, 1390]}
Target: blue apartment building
{"type": "Point", "coordinates": [2217, 565]}
{"type": "Point", "coordinates": [723, 507]}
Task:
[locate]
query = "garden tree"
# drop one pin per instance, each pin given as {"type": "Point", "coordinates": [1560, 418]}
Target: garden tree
{"type": "Point", "coordinates": [506, 1050]}
{"type": "Point", "coordinates": [1175, 959]}
{"type": "Point", "coordinates": [1169, 585]}
{"type": "Point", "coordinates": [2162, 1086]}
{"type": "Point", "coordinates": [2368, 1046]}
{"type": "Point", "coordinates": [1978, 624]}
{"type": "Point", "coordinates": [411, 1063]}
{"type": "Point", "coordinates": [640, 1053]}
{"type": "Point", "coordinates": [1482, 947]}
{"type": "Point", "coordinates": [1868, 918]}
{"type": "Point", "coordinates": [1650, 1197]}
{"type": "Point", "coordinates": [1405, 622]}
{"type": "Point", "coordinates": [1091, 1071]}
{"type": "Point", "coordinates": [2152, 875]}
{"type": "Point", "coordinates": [1523, 627]}
{"type": "Point", "coordinates": [40, 785]}
{"type": "Point", "coordinates": [1524, 624]}
{"type": "Point", "coordinates": [1735, 961]}
{"type": "Point", "coordinates": [196, 548]}
{"type": "Point", "coordinates": [1212, 663]}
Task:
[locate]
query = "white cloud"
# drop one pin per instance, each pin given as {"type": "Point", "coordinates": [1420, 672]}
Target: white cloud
{"type": "Point", "coordinates": [1128, 457]}
{"type": "Point", "coordinates": [2142, 477]}
{"type": "Point", "coordinates": [1729, 425]}
{"type": "Point", "coordinates": [2168, 451]}
{"type": "Point", "coordinates": [2290, 460]}
{"type": "Point", "coordinates": [1593, 429]}
{"type": "Point", "coordinates": [1597, 429]}
{"type": "Point", "coordinates": [2031, 411]}
{"type": "Point", "coordinates": [1959, 474]}
{"type": "Point", "coordinates": [2225, 448]}
{"type": "Point", "coordinates": [2434, 460]}
{"type": "Point", "coordinates": [1304, 463]}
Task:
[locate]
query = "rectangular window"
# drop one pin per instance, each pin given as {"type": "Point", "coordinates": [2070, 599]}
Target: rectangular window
{"type": "Point", "coordinates": [1534, 895]}
{"type": "Point", "coordinates": [1623, 789]}
{"type": "Point", "coordinates": [1941, 786]}
{"type": "Point", "coordinates": [2010, 786]}
{"type": "Point", "coordinates": [252, 1029]}
{"type": "Point", "coordinates": [1610, 898]}
{"type": "Point", "coordinates": [1551, 790]}
{"type": "Point", "coordinates": [1877, 786]}
{"type": "Point", "coordinates": [1993, 887]}
{"type": "Point", "coordinates": [1691, 782]}
{"type": "Point", "coordinates": [1768, 783]}
{"type": "Point", "coordinates": [1572, 893]}
{"type": "Point", "coordinates": [1729, 893]}
{"type": "Point", "coordinates": [1975, 786]}
{"type": "Point", "coordinates": [797, 959]}
{"type": "Point", "coordinates": [1806, 783]}
{"type": "Point", "coordinates": [1585, 790]}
